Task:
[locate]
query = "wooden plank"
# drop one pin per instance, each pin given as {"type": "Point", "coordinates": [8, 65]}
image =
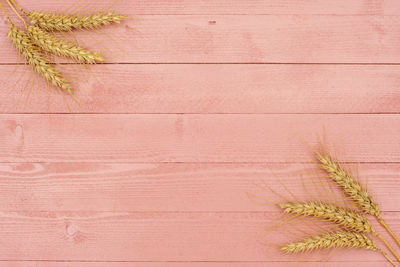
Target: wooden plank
{"type": "Point", "coordinates": [211, 88]}
{"type": "Point", "coordinates": [163, 187]}
{"type": "Point", "coordinates": [338, 7]}
{"type": "Point", "coordinates": [191, 264]}
{"type": "Point", "coordinates": [89, 236]}
{"type": "Point", "coordinates": [243, 39]}
{"type": "Point", "coordinates": [195, 138]}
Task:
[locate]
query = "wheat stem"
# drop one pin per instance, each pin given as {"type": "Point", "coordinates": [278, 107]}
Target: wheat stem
{"type": "Point", "coordinates": [388, 246]}
{"type": "Point", "coordinates": [16, 12]}
{"type": "Point", "coordinates": [18, 6]}
{"type": "Point", "coordinates": [5, 13]}
{"type": "Point", "coordinates": [383, 223]}
{"type": "Point", "coordinates": [388, 258]}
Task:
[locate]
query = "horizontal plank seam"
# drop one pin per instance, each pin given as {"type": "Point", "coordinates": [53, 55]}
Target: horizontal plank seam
{"type": "Point", "coordinates": [194, 162]}
{"type": "Point", "coordinates": [116, 261]}
{"type": "Point", "coordinates": [222, 63]}
{"type": "Point", "coordinates": [146, 212]}
{"type": "Point", "coordinates": [262, 14]}
{"type": "Point", "coordinates": [203, 113]}
{"type": "Point", "coordinates": [205, 163]}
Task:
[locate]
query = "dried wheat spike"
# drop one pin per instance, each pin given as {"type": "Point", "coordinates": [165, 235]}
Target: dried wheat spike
{"type": "Point", "coordinates": [332, 240]}
{"type": "Point", "coordinates": [354, 190]}
{"type": "Point", "coordinates": [52, 44]}
{"type": "Point", "coordinates": [33, 56]}
{"type": "Point", "coordinates": [349, 219]}
{"type": "Point", "coordinates": [60, 22]}
{"type": "Point", "coordinates": [338, 239]}
{"type": "Point", "coordinates": [349, 185]}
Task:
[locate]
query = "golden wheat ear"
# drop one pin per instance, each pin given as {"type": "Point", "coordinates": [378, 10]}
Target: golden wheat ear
{"type": "Point", "coordinates": [33, 56]}
{"type": "Point", "coordinates": [53, 45]}
{"type": "Point", "coordinates": [340, 239]}
{"type": "Point", "coordinates": [61, 22]}
{"type": "Point", "coordinates": [349, 185]}
{"type": "Point", "coordinates": [353, 189]}
{"type": "Point", "coordinates": [349, 219]}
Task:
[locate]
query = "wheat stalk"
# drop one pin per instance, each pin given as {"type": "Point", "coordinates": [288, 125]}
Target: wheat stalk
{"type": "Point", "coordinates": [51, 44]}
{"type": "Point", "coordinates": [350, 219]}
{"type": "Point", "coordinates": [61, 22]}
{"type": "Point", "coordinates": [353, 189]}
{"type": "Point", "coordinates": [338, 239]}
{"type": "Point", "coordinates": [32, 55]}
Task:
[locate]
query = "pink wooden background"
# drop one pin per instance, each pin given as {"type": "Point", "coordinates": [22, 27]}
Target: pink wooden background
{"type": "Point", "coordinates": [153, 167]}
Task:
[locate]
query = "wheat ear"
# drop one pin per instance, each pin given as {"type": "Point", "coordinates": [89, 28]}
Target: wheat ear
{"type": "Point", "coordinates": [339, 239]}
{"type": "Point", "coordinates": [350, 219]}
{"type": "Point", "coordinates": [349, 185]}
{"type": "Point", "coordinates": [51, 44]}
{"type": "Point", "coordinates": [61, 22]}
{"type": "Point", "coordinates": [353, 189]}
{"type": "Point", "coordinates": [32, 55]}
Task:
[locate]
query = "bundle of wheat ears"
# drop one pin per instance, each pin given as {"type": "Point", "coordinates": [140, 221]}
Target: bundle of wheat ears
{"type": "Point", "coordinates": [356, 229]}
{"type": "Point", "coordinates": [37, 39]}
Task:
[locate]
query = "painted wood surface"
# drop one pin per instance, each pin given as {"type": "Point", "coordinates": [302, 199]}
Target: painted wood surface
{"type": "Point", "coordinates": [243, 39]}
{"type": "Point", "coordinates": [199, 102]}
{"type": "Point", "coordinates": [250, 7]}
{"type": "Point", "coordinates": [195, 138]}
{"type": "Point", "coordinates": [147, 236]}
{"type": "Point", "coordinates": [212, 88]}
{"type": "Point", "coordinates": [127, 187]}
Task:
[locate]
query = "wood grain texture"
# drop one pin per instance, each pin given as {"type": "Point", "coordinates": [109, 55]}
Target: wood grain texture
{"type": "Point", "coordinates": [243, 39]}
{"type": "Point", "coordinates": [195, 138]}
{"type": "Point", "coordinates": [251, 7]}
{"type": "Point", "coordinates": [158, 187]}
{"type": "Point", "coordinates": [146, 236]}
{"type": "Point", "coordinates": [215, 88]}
{"type": "Point", "coordinates": [208, 99]}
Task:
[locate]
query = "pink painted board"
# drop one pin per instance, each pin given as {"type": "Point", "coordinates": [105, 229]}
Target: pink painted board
{"type": "Point", "coordinates": [242, 39]}
{"type": "Point", "coordinates": [127, 187]}
{"type": "Point", "coordinates": [210, 88]}
{"type": "Point", "coordinates": [250, 7]}
{"type": "Point", "coordinates": [150, 236]}
{"type": "Point", "coordinates": [196, 138]}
